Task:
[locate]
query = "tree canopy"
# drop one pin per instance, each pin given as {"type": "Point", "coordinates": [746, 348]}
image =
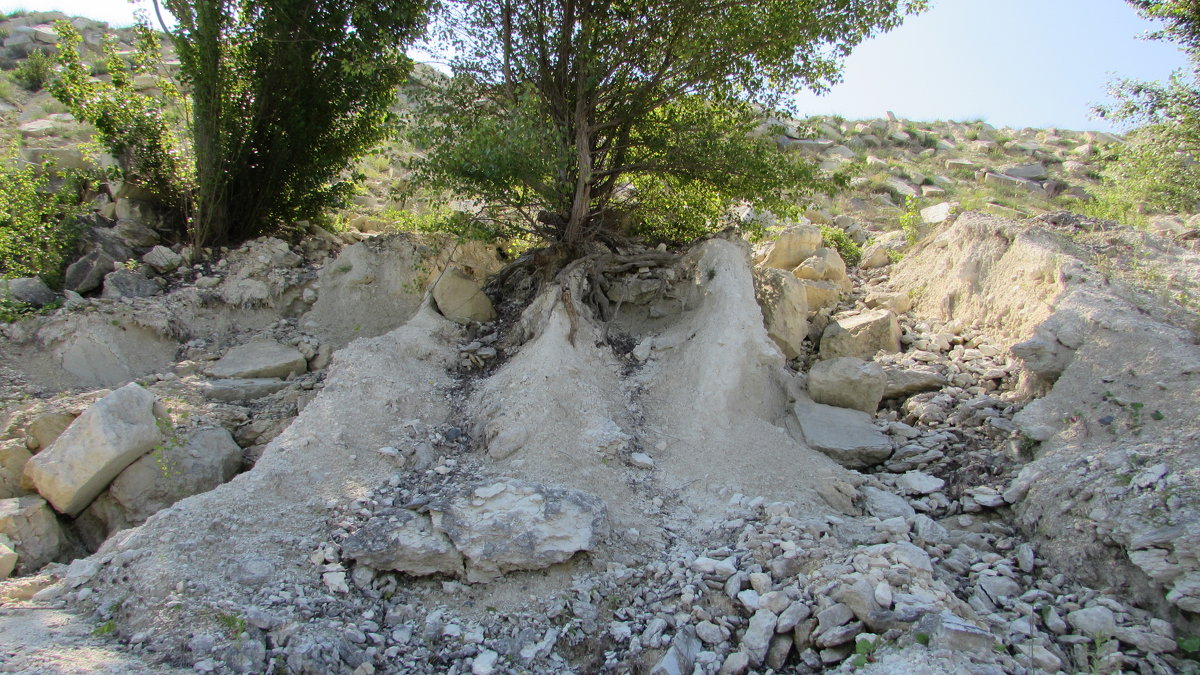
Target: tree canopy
{"type": "Point", "coordinates": [1158, 168]}
{"type": "Point", "coordinates": [285, 95]}
{"type": "Point", "coordinates": [578, 119]}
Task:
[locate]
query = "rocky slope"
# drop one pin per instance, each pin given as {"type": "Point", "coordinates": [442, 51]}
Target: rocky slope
{"type": "Point", "coordinates": [337, 454]}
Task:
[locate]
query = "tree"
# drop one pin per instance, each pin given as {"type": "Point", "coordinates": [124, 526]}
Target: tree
{"type": "Point", "coordinates": [1158, 168]}
{"type": "Point", "coordinates": [143, 132]}
{"type": "Point", "coordinates": [285, 95]}
{"type": "Point", "coordinates": [576, 118]}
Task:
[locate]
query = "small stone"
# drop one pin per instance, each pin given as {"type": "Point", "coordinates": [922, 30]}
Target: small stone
{"type": "Point", "coordinates": [641, 460]}
{"type": "Point", "coordinates": [735, 664]}
{"type": "Point", "coordinates": [1096, 622]}
{"type": "Point", "coordinates": [710, 633]}
{"type": "Point", "coordinates": [883, 594]}
{"type": "Point", "coordinates": [484, 663]}
{"type": "Point", "coordinates": [919, 483]}
{"type": "Point", "coordinates": [1025, 558]}
{"type": "Point", "coordinates": [335, 582]}
{"type": "Point", "coordinates": [835, 615]}
{"type": "Point", "coordinates": [757, 638]}
{"type": "Point", "coordinates": [791, 617]}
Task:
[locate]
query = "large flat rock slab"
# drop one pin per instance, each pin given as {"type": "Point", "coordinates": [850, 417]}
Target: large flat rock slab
{"type": "Point", "coordinates": [257, 360]}
{"type": "Point", "coordinates": [95, 449]}
{"type": "Point", "coordinates": [846, 436]}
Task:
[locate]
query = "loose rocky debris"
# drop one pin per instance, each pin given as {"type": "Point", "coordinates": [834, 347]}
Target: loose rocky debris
{"type": "Point", "coordinates": [572, 508]}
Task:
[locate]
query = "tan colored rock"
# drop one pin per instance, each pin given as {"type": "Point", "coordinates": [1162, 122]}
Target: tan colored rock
{"type": "Point", "coordinates": [792, 247]}
{"type": "Point", "coordinates": [515, 525]}
{"type": "Point", "coordinates": [262, 358]}
{"type": "Point", "coordinates": [847, 436]}
{"type": "Point", "coordinates": [821, 295]}
{"type": "Point", "coordinates": [847, 382]}
{"type": "Point", "coordinates": [874, 257]}
{"type": "Point", "coordinates": [109, 436]}
{"type": "Point", "coordinates": [896, 302]}
{"type": "Point", "coordinates": [13, 456]}
{"type": "Point", "coordinates": [823, 265]}
{"type": "Point", "coordinates": [861, 335]}
{"type": "Point", "coordinates": [404, 542]}
{"type": "Point", "coordinates": [33, 530]}
{"type": "Point", "coordinates": [460, 298]}
{"type": "Point", "coordinates": [784, 304]}
{"type": "Point", "coordinates": [47, 427]}
{"type": "Point", "coordinates": [8, 558]}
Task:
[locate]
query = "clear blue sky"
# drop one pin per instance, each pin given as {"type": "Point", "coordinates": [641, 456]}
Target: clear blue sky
{"type": "Point", "coordinates": [1018, 63]}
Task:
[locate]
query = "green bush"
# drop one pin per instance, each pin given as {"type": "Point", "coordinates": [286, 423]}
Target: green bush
{"type": "Point", "coordinates": [142, 132]}
{"type": "Point", "coordinates": [38, 226]}
{"type": "Point", "coordinates": [910, 222]}
{"type": "Point", "coordinates": [35, 71]}
{"type": "Point", "coordinates": [835, 237]}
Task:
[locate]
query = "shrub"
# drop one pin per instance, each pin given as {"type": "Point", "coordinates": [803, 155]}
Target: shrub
{"type": "Point", "coordinates": [38, 226]}
{"type": "Point", "coordinates": [835, 237]}
{"type": "Point", "coordinates": [35, 71]}
{"type": "Point", "coordinates": [141, 131]}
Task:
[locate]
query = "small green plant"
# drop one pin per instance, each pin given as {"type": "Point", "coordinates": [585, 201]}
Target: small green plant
{"type": "Point", "coordinates": [910, 221]}
{"type": "Point", "coordinates": [7, 91]}
{"type": "Point", "coordinates": [35, 71]}
{"type": "Point", "coordinates": [864, 651]}
{"type": "Point", "coordinates": [922, 639]}
{"type": "Point", "coordinates": [233, 624]}
{"type": "Point", "coordinates": [160, 452]}
{"type": "Point", "coordinates": [1190, 644]}
{"type": "Point", "coordinates": [107, 628]}
{"type": "Point", "coordinates": [836, 238]}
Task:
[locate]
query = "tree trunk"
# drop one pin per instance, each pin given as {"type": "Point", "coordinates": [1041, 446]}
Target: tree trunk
{"type": "Point", "coordinates": [581, 204]}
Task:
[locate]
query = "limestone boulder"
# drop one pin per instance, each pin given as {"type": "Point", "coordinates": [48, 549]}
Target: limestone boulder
{"type": "Point", "coordinates": [484, 532]}
{"type": "Point", "coordinates": [123, 283]}
{"type": "Point", "coordinates": [825, 264]}
{"type": "Point", "coordinates": [262, 358]}
{"type": "Point", "coordinates": [29, 290]}
{"type": "Point", "coordinates": [8, 558]}
{"type": "Point", "coordinates": [163, 259]}
{"type": "Point", "coordinates": [33, 531]}
{"type": "Point", "coordinates": [784, 303]}
{"type": "Point", "coordinates": [135, 234]}
{"type": "Point", "coordinates": [861, 335]}
{"type": "Point", "coordinates": [13, 456]}
{"type": "Point", "coordinates": [821, 295]}
{"type": "Point", "coordinates": [793, 246]}
{"type": "Point", "coordinates": [874, 257]}
{"type": "Point", "coordinates": [242, 389]}
{"type": "Point", "coordinates": [460, 298]}
{"type": "Point", "coordinates": [896, 302]}
{"type": "Point", "coordinates": [904, 382]}
{"type": "Point", "coordinates": [405, 541]}
{"type": "Point", "coordinates": [515, 525]}
{"type": "Point", "coordinates": [847, 382]}
{"type": "Point", "coordinates": [207, 458]}
{"type": "Point", "coordinates": [938, 213]}
{"type": "Point", "coordinates": [1027, 171]}
{"type": "Point", "coordinates": [87, 273]}
{"type": "Point", "coordinates": [847, 436]}
{"type": "Point", "coordinates": [108, 437]}
{"type": "Point", "coordinates": [46, 427]}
